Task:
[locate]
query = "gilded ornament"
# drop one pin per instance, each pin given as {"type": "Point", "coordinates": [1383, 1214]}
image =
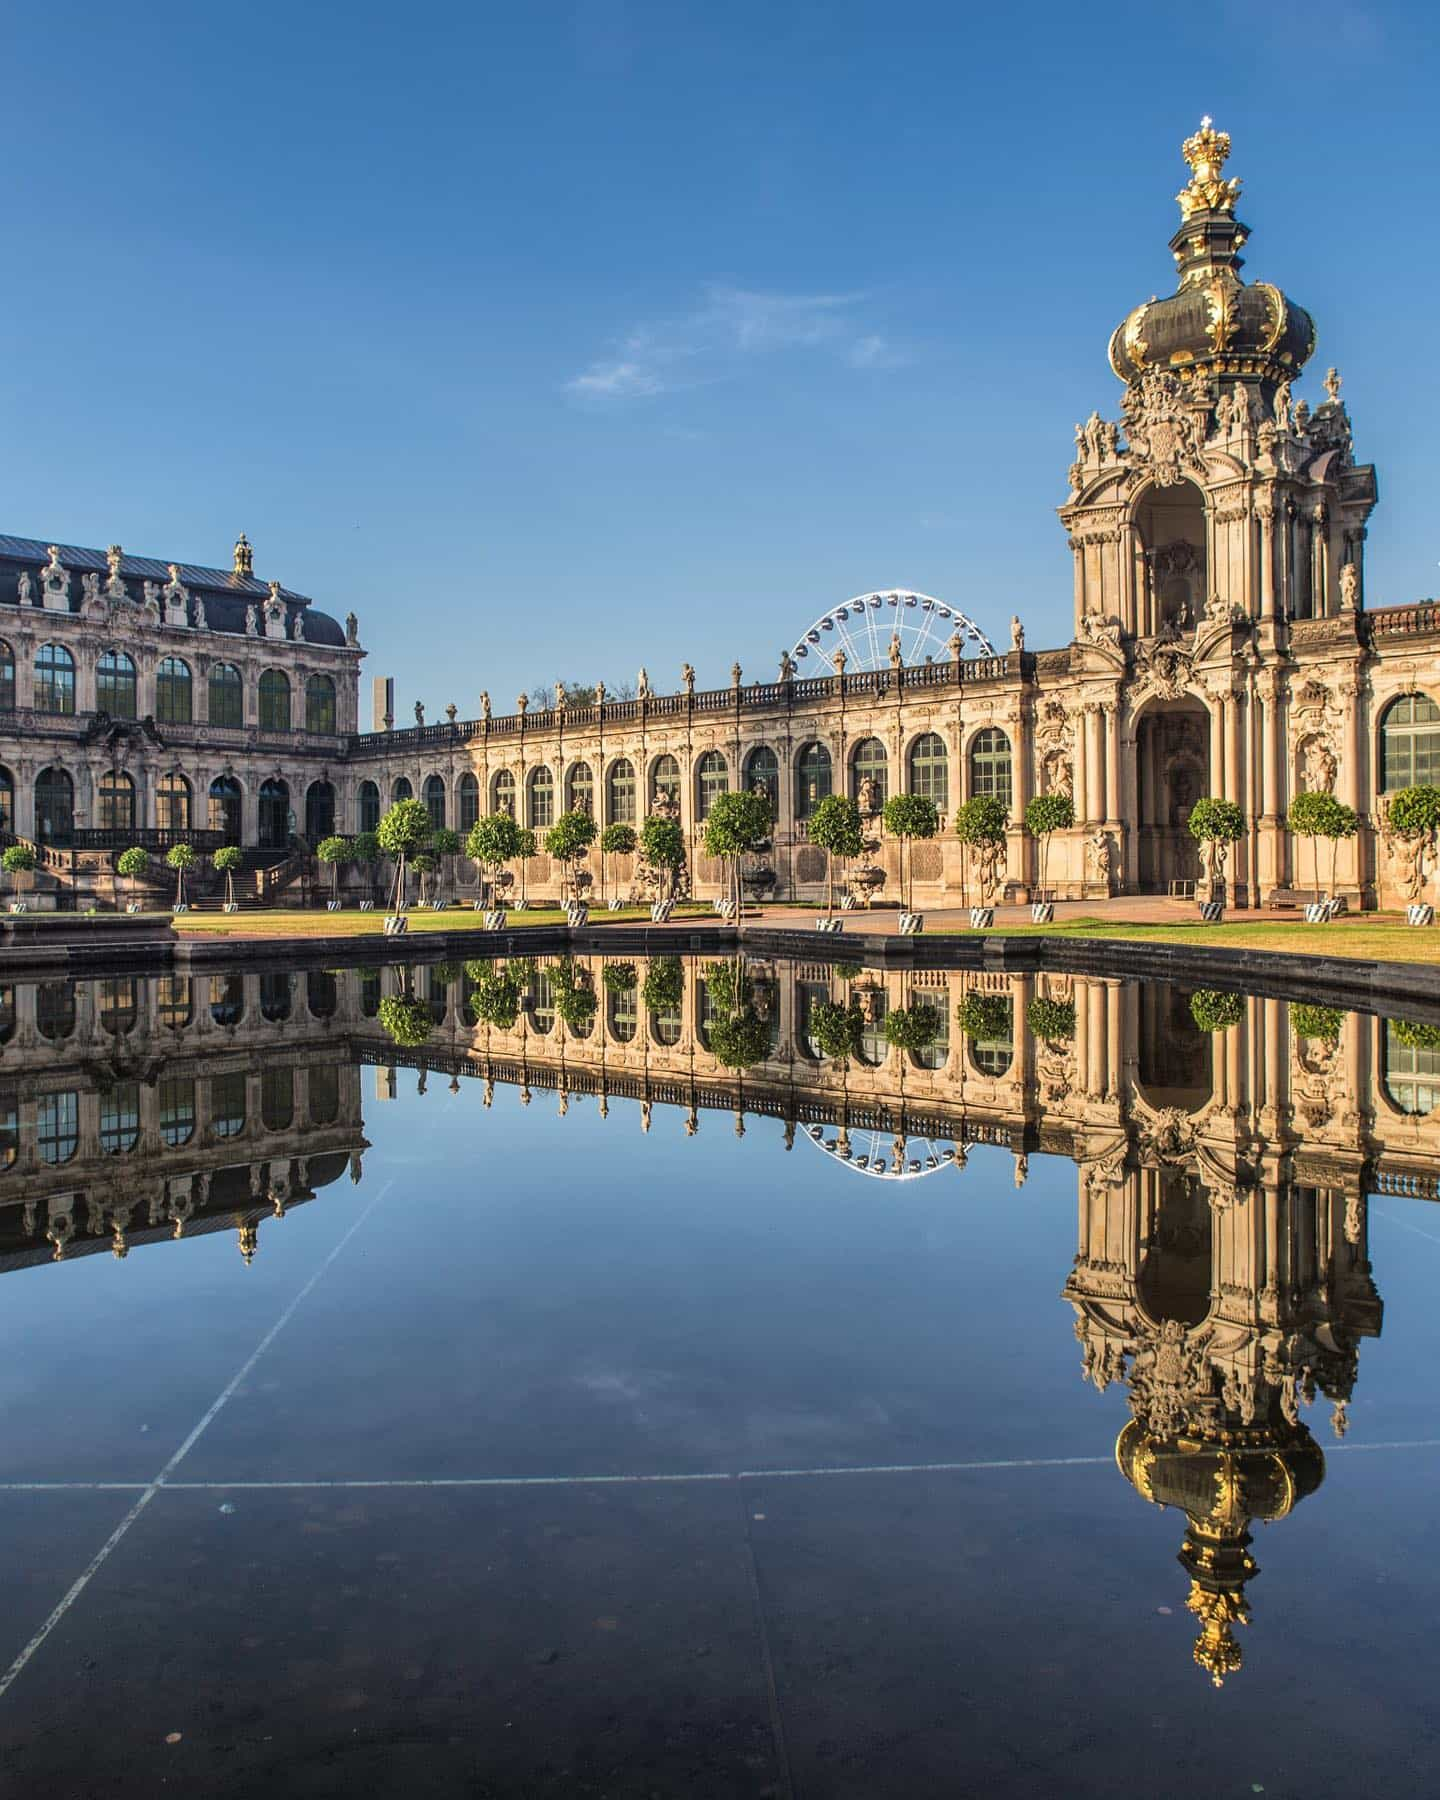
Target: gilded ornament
{"type": "Point", "coordinates": [1206, 152]}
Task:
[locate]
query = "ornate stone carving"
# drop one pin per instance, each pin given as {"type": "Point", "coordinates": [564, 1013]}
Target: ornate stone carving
{"type": "Point", "coordinates": [1164, 429]}
{"type": "Point", "coordinates": [1098, 858]}
{"type": "Point", "coordinates": [1162, 669]}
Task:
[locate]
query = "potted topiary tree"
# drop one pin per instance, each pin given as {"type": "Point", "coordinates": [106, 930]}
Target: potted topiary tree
{"type": "Point", "coordinates": [1045, 815]}
{"type": "Point", "coordinates": [404, 832]}
{"type": "Point", "coordinates": [17, 860]}
{"type": "Point", "coordinates": [132, 864]}
{"type": "Point", "coordinates": [524, 849]}
{"type": "Point", "coordinates": [1344, 823]}
{"type": "Point", "coordinates": [366, 852]}
{"type": "Point", "coordinates": [1414, 812]}
{"type": "Point", "coordinates": [662, 845]}
{"type": "Point", "coordinates": [1313, 816]}
{"type": "Point", "coordinates": [835, 827]}
{"type": "Point", "coordinates": [493, 841]}
{"type": "Point", "coordinates": [905, 817]}
{"type": "Point", "coordinates": [333, 851]}
{"type": "Point", "coordinates": [226, 860]}
{"type": "Point", "coordinates": [182, 858]}
{"type": "Point", "coordinates": [1215, 825]}
{"type": "Point", "coordinates": [568, 840]}
{"type": "Point", "coordinates": [424, 865]}
{"type": "Point", "coordinates": [980, 826]}
{"type": "Point", "coordinates": [615, 840]}
{"type": "Point", "coordinates": [738, 825]}
{"type": "Point", "coordinates": [444, 844]}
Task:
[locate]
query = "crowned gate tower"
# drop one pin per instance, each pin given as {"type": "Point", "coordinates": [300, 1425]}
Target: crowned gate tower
{"type": "Point", "coordinates": [1210, 525]}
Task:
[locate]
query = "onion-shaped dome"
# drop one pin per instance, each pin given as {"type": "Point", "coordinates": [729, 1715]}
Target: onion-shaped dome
{"type": "Point", "coordinates": [1214, 323]}
{"type": "Point", "coordinates": [1221, 1484]}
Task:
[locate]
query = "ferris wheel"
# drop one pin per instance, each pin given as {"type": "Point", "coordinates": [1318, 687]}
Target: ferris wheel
{"type": "Point", "coordinates": [884, 1157]}
{"type": "Point", "coordinates": [865, 627]}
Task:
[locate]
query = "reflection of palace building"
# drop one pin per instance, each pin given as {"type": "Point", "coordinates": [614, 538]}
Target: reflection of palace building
{"type": "Point", "coordinates": [133, 1110]}
{"type": "Point", "coordinates": [1222, 645]}
{"type": "Point", "coordinates": [1222, 1272]}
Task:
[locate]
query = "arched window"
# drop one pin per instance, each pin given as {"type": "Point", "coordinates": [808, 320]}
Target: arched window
{"type": "Point", "coordinates": [401, 789]}
{"type": "Point", "coordinates": [320, 705]}
{"type": "Point", "coordinates": [227, 999]}
{"type": "Point", "coordinates": [115, 801]}
{"type": "Point", "coordinates": [930, 770]}
{"type": "Point", "coordinates": [502, 793]}
{"type": "Point", "coordinates": [55, 1010]}
{"type": "Point", "coordinates": [624, 1010]}
{"type": "Point", "coordinates": [54, 807]}
{"type": "Point", "coordinates": [542, 800]}
{"type": "Point", "coordinates": [274, 701]}
{"type": "Point", "coordinates": [57, 1126]}
{"type": "Point", "coordinates": [227, 695]}
{"type": "Point", "coordinates": [224, 809]}
{"type": "Point", "coordinates": [120, 1119]}
{"type": "Point", "coordinates": [115, 685]}
{"type": "Point", "coordinates": [7, 677]}
{"type": "Point", "coordinates": [367, 807]}
{"type": "Point", "coordinates": [275, 999]}
{"type": "Point", "coordinates": [620, 799]}
{"type": "Point", "coordinates": [467, 802]}
{"type": "Point", "coordinates": [7, 800]}
{"type": "Point", "coordinates": [119, 1005]}
{"type": "Point", "coordinates": [435, 799]}
{"type": "Point", "coordinates": [54, 679]}
{"type": "Point", "coordinates": [172, 803]}
{"type": "Point", "coordinates": [664, 780]}
{"type": "Point", "coordinates": [227, 1104]}
{"type": "Point", "coordinates": [274, 819]}
{"type": "Point", "coordinates": [1412, 1074]}
{"type": "Point", "coordinates": [319, 812]}
{"type": "Point", "coordinates": [580, 789]}
{"type": "Point", "coordinates": [174, 1001]}
{"type": "Point", "coordinates": [172, 691]}
{"type": "Point", "coordinates": [277, 1098]}
{"type": "Point", "coordinates": [712, 779]}
{"type": "Point", "coordinates": [176, 1105]}
{"type": "Point", "coordinates": [322, 995]}
{"type": "Point", "coordinates": [762, 775]}
{"type": "Point", "coordinates": [869, 763]}
{"type": "Point", "coordinates": [812, 780]}
{"type": "Point", "coordinates": [1409, 743]}
{"type": "Point", "coordinates": [990, 764]}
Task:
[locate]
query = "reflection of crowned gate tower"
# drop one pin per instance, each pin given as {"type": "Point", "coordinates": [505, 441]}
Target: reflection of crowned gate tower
{"type": "Point", "coordinates": [1224, 514]}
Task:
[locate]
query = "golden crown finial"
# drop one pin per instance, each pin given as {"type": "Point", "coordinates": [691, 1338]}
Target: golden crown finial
{"type": "Point", "coordinates": [1206, 151]}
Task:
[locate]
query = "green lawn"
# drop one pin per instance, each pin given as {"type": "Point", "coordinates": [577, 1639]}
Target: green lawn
{"type": "Point", "coordinates": [280, 922]}
{"type": "Point", "coordinates": [1376, 937]}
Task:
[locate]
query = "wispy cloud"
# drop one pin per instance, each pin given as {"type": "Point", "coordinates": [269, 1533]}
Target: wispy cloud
{"type": "Point", "coordinates": [728, 326]}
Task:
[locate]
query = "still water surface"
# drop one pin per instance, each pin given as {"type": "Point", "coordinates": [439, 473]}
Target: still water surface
{"type": "Point", "coordinates": [541, 1407]}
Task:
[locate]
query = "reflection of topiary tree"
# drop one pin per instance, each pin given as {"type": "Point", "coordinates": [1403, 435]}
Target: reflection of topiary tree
{"type": "Point", "coordinates": [1044, 815]}
{"type": "Point", "coordinates": [619, 977]}
{"type": "Point", "coordinates": [836, 1031]}
{"type": "Point", "coordinates": [333, 851]}
{"type": "Point", "coordinates": [740, 1041]}
{"type": "Point", "coordinates": [1323, 1022]}
{"type": "Point", "coordinates": [1052, 1020]}
{"type": "Point", "coordinates": [567, 840]}
{"type": "Point", "coordinates": [182, 858]}
{"type": "Point", "coordinates": [984, 1017]}
{"type": "Point", "coordinates": [575, 1000]}
{"type": "Point", "coordinates": [132, 864]}
{"type": "Point", "coordinates": [615, 840]}
{"type": "Point", "coordinates": [913, 1028]}
{"type": "Point", "coordinates": [835, 827]}
{"type": "Point", "coordinates": [495, 994]}
{"type": "Point", "coordinates": [907, 816]}
{"type": "Point", "coordinates": [1415, 1036]}
{"type": "Point", "coordinates": [737, 825]}
{"type": "Point", "coordinates": [493, 841]}
{"type": "Point", "coordinates": [726, 986]}
{"type": "Point", "coordinates": [1213, 1010]}
{"type": "Point", "coordinates": [664, 986]}
{"type": "Point", "coordinates": [226, 860]}
{"type": "Point", "coordinates": [403, 833]}
{"type": "Point", "coordinates": [406, 1019]}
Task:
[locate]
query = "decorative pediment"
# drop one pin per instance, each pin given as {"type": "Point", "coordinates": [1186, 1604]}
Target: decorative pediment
{"type": "Point", "coordinates": [1166, 429]}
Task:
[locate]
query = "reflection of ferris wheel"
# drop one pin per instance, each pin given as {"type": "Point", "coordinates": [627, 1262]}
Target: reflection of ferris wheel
{"type": "Point", "coordinates": [865, 626]}
{"type": "Point", "coordinates": [879, 1155]}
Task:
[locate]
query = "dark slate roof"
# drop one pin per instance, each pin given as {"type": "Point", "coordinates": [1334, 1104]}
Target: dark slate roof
{"type": "Point", "coordinates": [226, 595]}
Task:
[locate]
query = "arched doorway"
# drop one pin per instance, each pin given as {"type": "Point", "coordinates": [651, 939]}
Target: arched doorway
{"type": "Point", "coordinates": [274, 820]}
{"type": "Point", "coordinates": [319, 812]}
{"type": "Point", "coordinates": [1172, 771]}
{"type": "Point", "coordinates": [224, 808]}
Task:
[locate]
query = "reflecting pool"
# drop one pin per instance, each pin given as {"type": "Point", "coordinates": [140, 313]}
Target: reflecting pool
{"type": "Point", "coordinates": [599, 1377]}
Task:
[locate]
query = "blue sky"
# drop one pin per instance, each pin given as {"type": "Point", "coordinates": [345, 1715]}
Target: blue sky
{"type": "Point", "coordinates": [555, 338]}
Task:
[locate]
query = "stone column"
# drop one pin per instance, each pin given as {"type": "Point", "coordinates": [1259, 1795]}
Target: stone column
{"type": "Point", "coordinates": [1094, 769]}
{"type": "Point", "coordinates": [1267, 562]}
{"type": "Point", "coordinates": [1109, 720]}
{"type": "Point", "coordinates": [1082, 796]}
{"type": "Point", "coordinates": [1217, 744]}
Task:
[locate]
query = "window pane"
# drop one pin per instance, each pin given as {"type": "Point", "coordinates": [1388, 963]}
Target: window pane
{"type": "Point", "coordinates": [176, 1102]}
{"type": "Point", "coordinates": [172, 692]}
{"type": "Point", "coordinates": [57, 1119]}
{"type": "Point", "coordinates": [622, 793]}
{"type": "Point", "coordinates": [54, 680]}
{"type": "Point", "coordinates": [227, 696]}
{"type": "Point", "coordinates": [274, 701]}
{"type": "Point", "coordinates": [7, 678]}
{"type": "Point", "coordinates": [812, 780]}
{"type": "Point", "coordinates": [120, 1119]}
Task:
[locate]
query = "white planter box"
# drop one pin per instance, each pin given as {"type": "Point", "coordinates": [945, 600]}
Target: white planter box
{"type": "Point", "coordinates": [575, 916]}
{"type": "Point", "coordinates": [181, 906]}
{"type": "Point", "coordinates": [911, 924]}
{"type": "Point", "coordinates": [615, 904]}
{"type": "Point", "coordinates": [1421, 913]}
{"type": "Point", "coordinates": [132, 906]}
{"type": "Point", "coordinates": [496, 920]}
{"type": "Point", "coordinates": [332, 906]}
{"type": "Point", "coordinates": [233, 906]}
{"type": "Point", "coordinates": [660, 912]}
{"type": "Point", "coordinates": [396, 924]}
{"type": "Point", "coordinates": [1211, 912]}
{"type": "Point", "coordinates": [1043, 912]}
{"type": "Point", "coordinates": [367, 906]}
{"type": "Point", "coordinates": [847, 903]}
{"type": "Point", "coordinates": [982, 917]}
{"type": "Point", "coordinates": [1317, 912]}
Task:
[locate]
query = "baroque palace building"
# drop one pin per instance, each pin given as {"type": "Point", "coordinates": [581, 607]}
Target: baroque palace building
{"type": "Point", "coordinates": [1223, 645]}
